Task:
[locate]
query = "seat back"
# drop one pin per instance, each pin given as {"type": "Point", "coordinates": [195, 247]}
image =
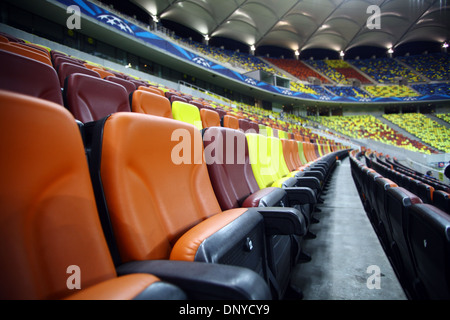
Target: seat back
{"type": "Point", "coordinates": [155, 184]}
{"type": "Point", "coordinates": [151, 103]}
{"type": "Point", "coordinates": [186, 112]}
{"type": "Point", "coordinates": [227, 158]}
{"type": "Point", "coordinates": [33, 47]}
{"type": "Point", "coordinates": [210, 118]}
{"type": "Point", "coordinates": [152, 90]}
{"type": "Point", "coordinates": [154, 192]}
{"type": "Point", "coordinates": [66, 69]}
{"type": "Point", "coordinates": [229, 121]}
{"type": "Point", "coordinates": [49, 217]}
{"type": "Point", "coordinates": [276, 152]}
{"type": "Point", "coordinates": [254, 126]}
{"type": "Point", "coordinates": [24, 75]}
{"type": "Point", "coordinates": [103, 73]}
{"type": "Point", "coordinates": [26, 52]}
{"type": "Point", "coordinates": [430, 245]}
{"type": "Point", "coordinates": [288, 154]}
{"type": "Point", "coordinates": [92, 98]}
{"type": "Point", "coordinates": [221, 112]}
{"type": "Point", "coordinates": [398, 201]}
{"type": "Point", "coordinates": [244, 125]}
{"type": "Point", "coordinates": [265, 167]}
{"type": "Point", "coordinates": [59, 59]}
{"type": "Point", "coordinates": [174, 98]}
{"type": "Point", "coordinates": [441, 200]}
{"type": "Point", "coordinates": [301, 153]}
{"type": "Point", "coordinates": [425, 192]}
{"type": "Point", "coordinates": [384, 226]}
{"type": "Point", "coordinates": [129, 86]}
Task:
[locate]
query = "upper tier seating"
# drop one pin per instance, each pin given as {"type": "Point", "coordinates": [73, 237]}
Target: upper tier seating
{"type": "Point", "coordinates": [391, 91]}
{"type": "Point", "coordinates": [325, 67]}
{"type": "Point", "coordinates": [348, 91]}
{"type": "Point", "coordinates": [385, 70]}
{"type": "Point", "coordinates": [298, 69]}
{"type": "Point", "coordinates": [434, 66]}
{"type": "Point", "coordinates": [432, 88]}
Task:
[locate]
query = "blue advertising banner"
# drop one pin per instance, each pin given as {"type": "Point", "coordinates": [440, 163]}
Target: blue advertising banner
{"type": "Point", "coordinates": [92, 10]}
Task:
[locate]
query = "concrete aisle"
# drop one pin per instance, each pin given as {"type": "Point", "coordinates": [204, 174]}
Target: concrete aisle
{"type": "Point", "coordinates": [345, 247]}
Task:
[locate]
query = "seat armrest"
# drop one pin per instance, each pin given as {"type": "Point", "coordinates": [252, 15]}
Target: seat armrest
{"type": "Point", "coordinates": [204, 281]}
{"type": "Point", "coordinates": [312, 173]}
{"type": "Point", "coordinates": [309, 182]}
{"type": "Point", "coordinates": [283, 221]}
{"type": "Point", "coordinates": [300, 195]}
{"type": "Point", "coordinates": [267, 197]}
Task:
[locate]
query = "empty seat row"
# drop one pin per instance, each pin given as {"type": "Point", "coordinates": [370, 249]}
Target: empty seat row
{"type": "Point", "coordinates": [414, 234]}
{"type": "Point", "coordinates": [153, 196]}
{"type": "Point", "coordinates": [429, 190]}
{"type": "Point", "coordinates": [50, 221]}
{"type": "Point", "coordinates": [159, 241]}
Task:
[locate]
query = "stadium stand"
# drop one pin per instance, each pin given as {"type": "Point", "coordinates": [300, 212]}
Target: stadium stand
{"type": "Point", "coordinates": [391, 91]}
{"type": "Point", "coordinates": [368, 127]}
{"type": "Point", "coordinates": [385, 70]}
{"type": "Point", "coordinates": [444, 116]}
{"type": "Point", "coordinates": [146, 226]}
{"type": "Point", "coordinates": [298, 69]}
{"type": "Point", "coordinates": [433, 66]}
{"type": "Point", "coordinates": [424, 128]}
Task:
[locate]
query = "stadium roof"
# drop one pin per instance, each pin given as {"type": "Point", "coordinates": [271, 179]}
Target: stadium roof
{"type": "Point", "coordinates": [337, 25]}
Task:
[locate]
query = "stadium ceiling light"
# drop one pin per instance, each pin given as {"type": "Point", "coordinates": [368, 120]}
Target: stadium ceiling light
{"type": "Point", "coordinates": [297, 53]}
{"type": "Point", "coordinates": [252, 47]}
{"type": "Point", "coordinates": [390, 50]}
{"type": "Point", "coordinates": [342, 53]}
{"type": "Point", "coordinates": [445, 45]}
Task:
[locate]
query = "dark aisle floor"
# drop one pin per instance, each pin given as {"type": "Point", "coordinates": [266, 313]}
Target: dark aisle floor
{"type": "Point", "coordinates": [345, 249]}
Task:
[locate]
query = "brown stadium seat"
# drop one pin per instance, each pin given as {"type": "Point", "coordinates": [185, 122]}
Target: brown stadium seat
{"type": "Point", "coordinates": [91, 98]}
{"type": "Point", "coordinates": [27, 76]}
{"type": "Point", "coordinates": [128, 85]}
{"type": "Point", "coordinates": [65, 69]}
